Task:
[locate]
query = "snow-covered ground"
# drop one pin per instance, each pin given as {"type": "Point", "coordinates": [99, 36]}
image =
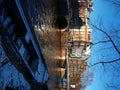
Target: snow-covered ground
{"type": "Point", "coordinates": [104, 61]}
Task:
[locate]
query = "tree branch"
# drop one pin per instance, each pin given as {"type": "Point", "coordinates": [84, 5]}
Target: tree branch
{"type": "Point", "coordinates": [100, 42]}
{"type": "Point", "coordinates": [114, 2]}
{"type": "Point", "coordinates": [107, 36]}
{"type": "Point", "coordinates": [104, 62]}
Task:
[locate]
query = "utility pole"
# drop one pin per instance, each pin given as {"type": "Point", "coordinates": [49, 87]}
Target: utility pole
{"type": "Point", "coordinates": [67, 62]}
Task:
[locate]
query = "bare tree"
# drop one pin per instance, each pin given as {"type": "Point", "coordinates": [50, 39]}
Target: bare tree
{"type": "Point", "coordinates": [109, 40]}
{"type": "Point", "coordinates": [108, 51]}
{"type": "Point", "coordinates": [114, 2]}
{"type": "Point", "coordinates": [86, 79]}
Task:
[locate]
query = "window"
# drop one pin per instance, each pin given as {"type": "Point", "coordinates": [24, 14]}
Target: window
{"type": "Point", "coordinates": [18, 43]}
{"type": "Point", "coordinates": [33, 60]}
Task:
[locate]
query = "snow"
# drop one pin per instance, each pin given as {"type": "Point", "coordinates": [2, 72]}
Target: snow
{"type": "Point", "coordinates": [6, 22]}
{"type": "Point", "coordinates": [87, 52]}
{"type": "Point", "coordinates": [106, 75]}
{"type": "Point", "coordinates": [41, 74]}
{"type": "Point", "coordinates": [9, 76]}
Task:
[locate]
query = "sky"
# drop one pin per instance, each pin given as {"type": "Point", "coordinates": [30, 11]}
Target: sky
{"type": "Point", "coordinates": [105, 15]}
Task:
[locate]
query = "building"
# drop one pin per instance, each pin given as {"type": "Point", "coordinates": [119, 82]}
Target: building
{"type": "Point", "coordinates": [76, 68]}
{"type": "Point", "coordinates": [78, 42]}
{"type": "Point", "coordinates": [20, 50]}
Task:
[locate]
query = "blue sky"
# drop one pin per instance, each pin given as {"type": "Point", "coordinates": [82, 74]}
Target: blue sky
{"type": "Point", "coordinates": [105, 16]}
